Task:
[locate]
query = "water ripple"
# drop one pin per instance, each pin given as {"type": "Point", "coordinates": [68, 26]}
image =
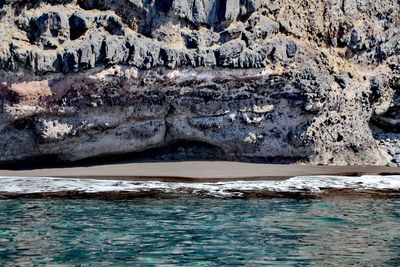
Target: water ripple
{"type": "Point", "coordinates": [199, 232]}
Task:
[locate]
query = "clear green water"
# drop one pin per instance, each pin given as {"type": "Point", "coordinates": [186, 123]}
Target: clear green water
{"type": "Point", "coordinates": [200, 232]}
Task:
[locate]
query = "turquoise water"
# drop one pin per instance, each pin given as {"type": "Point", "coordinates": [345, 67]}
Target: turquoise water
{"type": "Point", "coordinates": [200, 232]}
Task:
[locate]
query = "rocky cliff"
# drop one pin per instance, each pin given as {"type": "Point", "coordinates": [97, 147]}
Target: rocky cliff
{"type": "Point", "coordinates": [261, 80]}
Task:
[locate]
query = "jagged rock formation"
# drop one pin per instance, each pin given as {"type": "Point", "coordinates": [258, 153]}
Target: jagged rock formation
{"type": "Point", "coordinates": [262, 80]}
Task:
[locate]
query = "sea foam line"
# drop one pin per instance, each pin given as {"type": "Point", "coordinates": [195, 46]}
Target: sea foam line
{"type": "Point", "coordinates": [313, 184]}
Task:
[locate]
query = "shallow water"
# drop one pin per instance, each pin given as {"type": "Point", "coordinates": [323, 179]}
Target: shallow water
{"type": "Point", "coordinates": [308, 184]}
{"type": "Point", "coordinates": [200, 232]}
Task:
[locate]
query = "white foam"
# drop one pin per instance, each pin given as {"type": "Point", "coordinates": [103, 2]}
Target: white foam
{"type": "Point", "coordinates": [315, 184]}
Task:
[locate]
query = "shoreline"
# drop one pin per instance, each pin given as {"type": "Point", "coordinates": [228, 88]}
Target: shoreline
{"type": "Point", "coordinates": [225, 180]}
{"type": "Point", "coordinates": [126, 195]}
{"type": "Point", "coordinates": [198, 171]}
{"type": "Point", "coordinates": [322, 186]}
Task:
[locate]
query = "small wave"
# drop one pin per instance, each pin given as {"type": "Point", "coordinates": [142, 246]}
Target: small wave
{"type": "Point", "coordinates": [302, 184]}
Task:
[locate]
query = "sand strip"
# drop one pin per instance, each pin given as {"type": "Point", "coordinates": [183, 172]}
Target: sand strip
{"type": "Point", "coordinates": [199, 171]}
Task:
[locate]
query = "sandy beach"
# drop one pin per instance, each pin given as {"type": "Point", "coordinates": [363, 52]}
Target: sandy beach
{"type": "Point", "coordinates": [201, 178]}
{"type": "Point", "coordinates": [199, 171]}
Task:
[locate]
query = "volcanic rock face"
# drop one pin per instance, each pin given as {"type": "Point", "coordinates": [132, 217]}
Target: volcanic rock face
{"type": "Point", "coordinates": [262, 80]}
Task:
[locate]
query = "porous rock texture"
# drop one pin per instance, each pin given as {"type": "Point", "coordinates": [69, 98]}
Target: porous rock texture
{"type": "Point", "coordinates": [313, 81]}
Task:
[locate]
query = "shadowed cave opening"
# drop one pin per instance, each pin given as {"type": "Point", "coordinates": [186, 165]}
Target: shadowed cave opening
{"type": "Point", "coordinates": [163, 5]}
{"type": "Point", "coordinates": [181, 150]}
{"type": "Point", "coordinates": [176, 151]}
{"type": "Point", "coordinates": [77, 27]}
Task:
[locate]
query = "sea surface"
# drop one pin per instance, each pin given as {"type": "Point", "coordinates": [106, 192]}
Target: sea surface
{"type": "Point", "coordinates": [200, 231]}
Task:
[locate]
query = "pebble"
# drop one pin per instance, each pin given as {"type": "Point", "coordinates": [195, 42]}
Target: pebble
{"type": "Point", "coordinates": [392, 164]}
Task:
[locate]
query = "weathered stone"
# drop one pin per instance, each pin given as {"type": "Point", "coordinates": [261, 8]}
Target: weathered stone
{"type": "Point", "coordinates": [356, 39]}
{"type": "Point", "coordinates": [341, 80]}
{"type": "Point", "coordinates": [291, 49]}
{"type": "Point", "coordinates": [258, 79]}
{"type": "Point", "coordinates": [50, 29]}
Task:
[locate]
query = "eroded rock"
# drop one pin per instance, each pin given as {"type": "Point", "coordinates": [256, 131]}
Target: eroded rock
{"type": "Point", "coordinates": [262, 80]}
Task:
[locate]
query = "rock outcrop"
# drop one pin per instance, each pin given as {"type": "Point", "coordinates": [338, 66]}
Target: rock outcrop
{"type": "Point", "coordinates": [261, 80]}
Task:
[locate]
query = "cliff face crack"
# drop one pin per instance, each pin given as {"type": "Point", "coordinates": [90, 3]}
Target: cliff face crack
{"type": "Point", "coordinates": [168, 125]}
{"type": "Point", "coordinates": [221, 10]}
{"type": "Point", "coordinates": [343, 6]}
